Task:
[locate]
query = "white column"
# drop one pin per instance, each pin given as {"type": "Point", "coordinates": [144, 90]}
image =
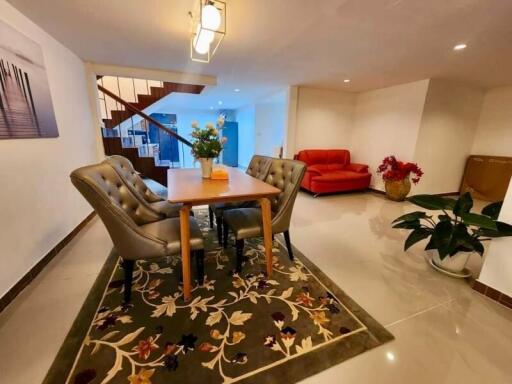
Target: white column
{"type": "Point", "coordinates": [497, 267]}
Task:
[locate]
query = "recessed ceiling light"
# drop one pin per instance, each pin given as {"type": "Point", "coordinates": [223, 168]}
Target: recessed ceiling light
{"type": "Point", "coordinates": [237, 90]}
{"type": "Point", "coordinates": [459, 47]}
{"type": "Point", "coordinates": [346, 81]}
{"type": "Point", "coordinates": [220, 102]}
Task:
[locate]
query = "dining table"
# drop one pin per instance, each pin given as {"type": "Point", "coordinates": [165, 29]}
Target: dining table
{"type": "Point", "coordinates": [187, 187]}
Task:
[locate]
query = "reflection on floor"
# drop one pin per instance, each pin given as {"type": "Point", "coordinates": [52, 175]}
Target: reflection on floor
{"type": "Point", "coordinates": [445, 332]}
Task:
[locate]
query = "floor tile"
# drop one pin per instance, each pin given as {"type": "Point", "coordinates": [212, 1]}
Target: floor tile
{"type": "Point", "coordinates": [445, 332]}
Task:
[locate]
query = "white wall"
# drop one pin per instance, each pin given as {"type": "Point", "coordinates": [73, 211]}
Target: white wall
{"type": "Point", "coordinates": [323, 119]}
{"type": "Point", "coordinates": [447, 130]}
{"type": "Point", "coordinates": [431, 122]}
{"type": "Point", "coordinates": [497, 266]}
{"type": "Point", "coordinates": [270, 124]}
{"type": "Point", "coordinates": [246, 134]}
{"type": "Point", "coordinates": [386, 122]}
{"type": "Point", "coordinates": [494, 133]}
{"type": "Point", "coordinates": [40, 205]}
{"type": "Point", "coordinates": [262, 127]}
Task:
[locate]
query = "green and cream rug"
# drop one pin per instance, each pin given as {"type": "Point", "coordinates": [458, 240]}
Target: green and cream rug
{"type": "Point", "coordinates": [238, 328]}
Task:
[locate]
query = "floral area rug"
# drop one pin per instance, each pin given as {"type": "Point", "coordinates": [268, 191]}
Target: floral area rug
{"type": "Point", "coordinates": [237, 328]}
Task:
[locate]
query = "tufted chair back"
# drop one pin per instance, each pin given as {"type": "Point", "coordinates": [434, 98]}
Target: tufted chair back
{"type": "Point", "coordinates": [259, 166]}
{"type": "Point", "coordinates": [125, 169]}
{"type": "Point", "coordinates": [287, 176]}
{"type": "Point", "coordinates": [120, 210]}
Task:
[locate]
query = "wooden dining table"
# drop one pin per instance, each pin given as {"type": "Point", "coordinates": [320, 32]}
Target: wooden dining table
{"type": "Point", "coordinates": [189, 188]}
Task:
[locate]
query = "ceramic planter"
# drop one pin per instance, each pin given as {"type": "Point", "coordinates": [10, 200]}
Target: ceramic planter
{"type": "Point", "coordinates": [452, 265]}
{"type": "Point", "coordinates": [206, 167]}
{"type": "Point", "coordinates": [398, 190]}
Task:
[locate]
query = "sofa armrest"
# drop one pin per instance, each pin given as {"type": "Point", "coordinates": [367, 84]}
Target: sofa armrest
{"type": "Point", "coordinates": [314, 169]}
{"type": "Point", "coordinates": [359, 168]}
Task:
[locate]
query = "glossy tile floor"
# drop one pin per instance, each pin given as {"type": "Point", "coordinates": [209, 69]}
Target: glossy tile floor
{"type": "Point", "coordinates": [445, 332]}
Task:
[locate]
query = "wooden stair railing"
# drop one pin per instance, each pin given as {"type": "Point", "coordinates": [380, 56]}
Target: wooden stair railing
{"type": "Point", "coordinates": [137, 111]}
{"type": "Point", "coordinates": [113, 144]}
{"type": "Point", "coordinates": [144, 100]}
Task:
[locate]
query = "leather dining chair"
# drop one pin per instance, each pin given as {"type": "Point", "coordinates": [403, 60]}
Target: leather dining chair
{"type": "Point", "coordinates": [246, 223]}
{"type": "Point", "coordinates": [134, 182]}
{"type": "Point", "coordinates": [136, 231]}
{"type": "Point", "coordinates": [258, 168]}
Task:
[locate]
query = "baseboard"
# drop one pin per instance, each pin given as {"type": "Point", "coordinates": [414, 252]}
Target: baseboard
{"type": "Point", "coordinates": [435, 194]}
{"type": "Point", "coordinates": [377, 191]}
{"type": "Point", "coordinates": [6, 299]}
{"type": "Point", "coordinates": [492, 293]}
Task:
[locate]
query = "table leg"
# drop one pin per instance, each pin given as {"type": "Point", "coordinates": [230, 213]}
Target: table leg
{"type": "Point", "coordinates": [185, 249]}
{"type": "Point", "coordinates": [267, 232]}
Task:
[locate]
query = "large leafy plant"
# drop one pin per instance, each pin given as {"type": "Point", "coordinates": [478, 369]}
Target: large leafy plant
{"type": "Point", "coordinates": [455, 228]}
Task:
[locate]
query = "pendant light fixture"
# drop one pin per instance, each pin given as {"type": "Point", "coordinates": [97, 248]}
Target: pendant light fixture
{"type": "Point", "coordinates": [209, 28]}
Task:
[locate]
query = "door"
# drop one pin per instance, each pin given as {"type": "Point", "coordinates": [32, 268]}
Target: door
{"type": "Point", "coordinates": [230, 151]}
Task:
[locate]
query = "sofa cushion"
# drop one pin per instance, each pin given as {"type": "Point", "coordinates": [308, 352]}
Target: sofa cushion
{"type": "Point", "coordinates": [340, 176]}
{"type": "Point", "coordinates": [326, 168]}
{"type": "Point", "coordinates": [324, 156]}
{"type": "Point", "coordinates": [362, 168]}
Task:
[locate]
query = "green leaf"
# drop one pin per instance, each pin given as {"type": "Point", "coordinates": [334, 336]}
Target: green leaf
{"type": "Point", "coordinates": [448, 238]}
{"type": "Point", "coordinates": [432, 202]}
{"type": "Point", "coordinates": [413, 216]}
{"type": "Point", "coordinates": [477, 246]}
{"type": "Point", "coordinates": [502, 230]}
{"type": "Point", "coordinates": [477, 220]}
{"type": "Point", "coordinates": [442, 238]}
{"type": "Point", "coordinates": [430, 245]}
{"type": "Point", "coordinates": [463, 204]}
{"type": "Point", "coordinates": [444, 218]}
{"type": "Point", "coordinates": [408, 224]}
{"type": "Point", "coordinates": [492, 210]}
{"type": "Point", "coordinates": [416, 236]}
{"type": "Point", "coordinates": [464, 242]}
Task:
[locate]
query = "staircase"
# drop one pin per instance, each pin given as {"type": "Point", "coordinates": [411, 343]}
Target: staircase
{"type": "Point", "coordinates": [125, 128]}
{"type": "Point", "coordinates": [145, 100]}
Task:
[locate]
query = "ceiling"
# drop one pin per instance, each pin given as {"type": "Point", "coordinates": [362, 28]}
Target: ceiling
{"type": "Point", "coordinates": [275, 43]}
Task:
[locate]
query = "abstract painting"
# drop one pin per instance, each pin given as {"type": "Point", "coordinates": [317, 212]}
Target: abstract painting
{"type": "Point", "coordinates": [26, 109]}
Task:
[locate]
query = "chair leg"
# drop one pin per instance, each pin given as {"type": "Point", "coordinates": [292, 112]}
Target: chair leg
{"type": "Point", "coordinates": [210, 215]}
{"type": "Point", "coordinates": [225, 233]}
{"type": "Point", "coordinates": [128, 266]}
{"type": "Point", "coordinates": [288, 244]}
{"type": "Point", "coordinates": [199, 255]}
{"type": "Point", "coordinates": [220, 224]}
{"type": "Point", "coordinates": [239, 254]}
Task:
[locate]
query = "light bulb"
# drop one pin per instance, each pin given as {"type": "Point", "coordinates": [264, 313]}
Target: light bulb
{"type": "Point", "coordinates": [211, 18]}
{"type": "Point", "coordinates": [201, 46]}
{"type": "Point", "coordinates": [202, 40]}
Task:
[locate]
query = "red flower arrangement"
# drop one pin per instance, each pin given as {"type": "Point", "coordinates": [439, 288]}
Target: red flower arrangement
{"type": "Point", "coordinates": [395, 170]}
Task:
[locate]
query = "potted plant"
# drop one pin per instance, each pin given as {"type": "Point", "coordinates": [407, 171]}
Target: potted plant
{"type": "Point", "coordinates": [207, 145]}
{"type": "Point", "coordinates": [455, 232]}
{"type": "Point", "coordinates": [396, 176]}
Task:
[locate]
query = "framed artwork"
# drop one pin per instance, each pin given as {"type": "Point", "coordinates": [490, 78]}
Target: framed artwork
{"type": "Point", "coordinates": [26, 109]}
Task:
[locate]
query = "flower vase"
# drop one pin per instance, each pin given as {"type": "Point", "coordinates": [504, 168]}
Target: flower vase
{"type": "Point", "coordinates": [397, 190]}
{"type": "Point", "coordinates": [206, 167]}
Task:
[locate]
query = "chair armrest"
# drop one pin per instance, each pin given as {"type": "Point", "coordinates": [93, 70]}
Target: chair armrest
{"type": "Point", "coordinates": [359, 168]}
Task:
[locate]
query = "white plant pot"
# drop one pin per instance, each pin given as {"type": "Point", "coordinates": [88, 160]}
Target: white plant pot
{"type": "Point", "coordinates": [206, 167]}
{"type": "Point", "coordinates": [453, 265]}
